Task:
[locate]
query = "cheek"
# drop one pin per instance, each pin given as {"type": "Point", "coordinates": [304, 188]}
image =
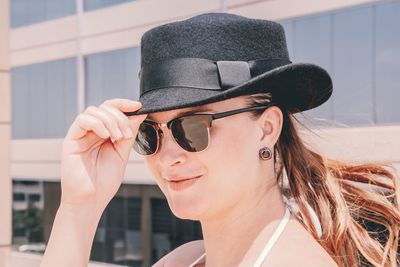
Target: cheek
{"type": "Point", "coordinates": [151, 165]}
{"type": "Point", "coordinates": [233, 157]}
{"type": "Point", "coordinates": [235, 144]}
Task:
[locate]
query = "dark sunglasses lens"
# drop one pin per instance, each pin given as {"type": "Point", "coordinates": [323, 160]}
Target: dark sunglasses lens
{"type": "Point", "coordinates": [146, 140]}
{"type": "Point", "coordinates": [191, 132]}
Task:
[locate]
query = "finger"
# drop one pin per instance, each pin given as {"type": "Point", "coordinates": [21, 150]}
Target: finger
{"type": "Point", "coordinates": [85, 123]}
{"type": "Point", "coordinates": [124, 105]}
{"type": "Point", "coordinates": [91, 140]}
{"type": "Point", "coordinates": [108, 120]}
{"type": "Point", "coordinates": [121, 119]}
{"type": "Point", "coordinates": [124, 146]}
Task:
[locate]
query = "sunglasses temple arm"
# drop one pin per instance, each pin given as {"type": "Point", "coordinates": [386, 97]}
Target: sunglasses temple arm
{"type": "Point", "coordinates": [233, 112]}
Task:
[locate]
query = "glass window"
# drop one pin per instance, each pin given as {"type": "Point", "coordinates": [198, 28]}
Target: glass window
{"type": "Point", "coordinates": [44, 99]}
{"type": "Point", "coordinates": [358, 48]}
{"type": "Point", "coordinates": [313, 44]}
{"type": "Point", "coordinates": [26, 12]}
{"type": "Point", "coordinates": [353, 66]}
{"type": "Point", "coordinates": [168, 231]}
{"type": "Point", "coordinates": [18, 197]}
{"type": "Point", "coordinates": [387, 60]}
{"type": "Point", "coordinates": [28, 218]}
{"type": "Point", "coordinates": [34, 197]}
{"type": "Point", "coordinates": [112, 74]}
{"type": "Point", "coordinates": [136, 229]}
{"type": "Point", "coordinates": [96, 4]}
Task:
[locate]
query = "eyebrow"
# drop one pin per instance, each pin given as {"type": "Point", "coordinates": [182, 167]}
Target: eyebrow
{"type": "Point", "coordinates": [187, 112]}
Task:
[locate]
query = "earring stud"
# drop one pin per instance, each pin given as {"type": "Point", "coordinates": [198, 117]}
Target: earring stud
{"type": "Point", "coordinates": [265, 153]}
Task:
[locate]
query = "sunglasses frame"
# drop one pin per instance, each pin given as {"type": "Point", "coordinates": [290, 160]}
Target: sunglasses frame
{"type": "Point", "coordinates": [214, 116]}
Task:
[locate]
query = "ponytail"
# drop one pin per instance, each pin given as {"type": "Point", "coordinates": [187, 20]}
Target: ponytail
{"type": "Point", "coordinates": [345, 197]}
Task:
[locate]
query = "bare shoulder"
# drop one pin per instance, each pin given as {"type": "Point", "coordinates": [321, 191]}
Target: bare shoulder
{"type": "Point", "coordinates": [183, 255]}
{"type": "Point", "coordinates": [297, 247]}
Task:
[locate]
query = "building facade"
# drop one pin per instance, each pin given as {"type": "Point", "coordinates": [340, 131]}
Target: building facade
{"type": "Point", "coordinates": [65, 55]}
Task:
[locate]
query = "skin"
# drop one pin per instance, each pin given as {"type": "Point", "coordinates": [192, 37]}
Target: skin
{"type": "Point", "coordinates": [238, 184]}
{"type": "Point", "coordinates": [237, 199]}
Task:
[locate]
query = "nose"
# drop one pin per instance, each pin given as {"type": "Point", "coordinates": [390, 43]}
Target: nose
{"type": "Point", "coordinates": [169, 152]}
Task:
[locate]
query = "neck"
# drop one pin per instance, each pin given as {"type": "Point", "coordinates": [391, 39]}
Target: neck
{"type": "Point", "coordinates": [229, 237]}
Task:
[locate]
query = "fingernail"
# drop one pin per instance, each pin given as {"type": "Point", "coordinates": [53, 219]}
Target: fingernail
{"type": "Point", "coordinates": [136, 102]}
{"type": "Point", "coordinates": [106, 133]}
{"type": "Point", "coordinates": [128, 132]}
{"type": "Point", "coordinates": [118, 133]}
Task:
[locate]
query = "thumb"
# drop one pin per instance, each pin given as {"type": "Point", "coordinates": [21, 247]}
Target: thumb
{"type": "Point", "coordinates": [124, 146]}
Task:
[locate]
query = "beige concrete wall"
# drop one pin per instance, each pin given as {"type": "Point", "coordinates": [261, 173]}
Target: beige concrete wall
{"type": "Point", "coordinates": [101, 31]}
{"type": "Point", "coordinates": [5, 129]}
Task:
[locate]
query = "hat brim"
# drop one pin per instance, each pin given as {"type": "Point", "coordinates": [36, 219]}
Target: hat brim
{"type": "Point", "coordinates": [296, 87]}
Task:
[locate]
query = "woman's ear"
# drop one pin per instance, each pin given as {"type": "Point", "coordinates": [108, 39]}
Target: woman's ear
{"type": "Point", "coordinates": [271, 121]}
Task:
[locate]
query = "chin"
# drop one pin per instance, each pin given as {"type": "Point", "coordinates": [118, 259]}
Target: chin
{"type": "Point", "coordinates": [185, 210]}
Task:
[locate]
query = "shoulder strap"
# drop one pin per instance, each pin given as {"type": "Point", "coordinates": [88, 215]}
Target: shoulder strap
{"type": "Point", "coordinates": [198, 260]}
{"type": "Point", "coordinates": [272, 240]}
{"type": "Point", "coordinates": [268, 247]}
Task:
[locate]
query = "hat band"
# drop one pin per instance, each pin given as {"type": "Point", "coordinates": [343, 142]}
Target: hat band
{"type": "Point", "coordinates": [202, 73]}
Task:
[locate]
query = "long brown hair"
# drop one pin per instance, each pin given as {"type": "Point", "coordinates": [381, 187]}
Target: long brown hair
{"type": "Point", "coordinates": [347, 198]}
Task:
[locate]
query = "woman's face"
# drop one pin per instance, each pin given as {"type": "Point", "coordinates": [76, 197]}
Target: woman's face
{"type": "Point", "coordinates": [229, 168]}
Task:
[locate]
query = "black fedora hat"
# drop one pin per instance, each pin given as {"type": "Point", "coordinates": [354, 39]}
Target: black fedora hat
{"type": "Point", "coordinates": [216, 56]}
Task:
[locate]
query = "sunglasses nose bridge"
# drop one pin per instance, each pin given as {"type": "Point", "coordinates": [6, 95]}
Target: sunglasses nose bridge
{"type": "Point", "coordinates": [161, 127]}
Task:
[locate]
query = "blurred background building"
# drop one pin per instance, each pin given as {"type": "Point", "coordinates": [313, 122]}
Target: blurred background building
{"type": "Point", "coordinates": [59, 56]}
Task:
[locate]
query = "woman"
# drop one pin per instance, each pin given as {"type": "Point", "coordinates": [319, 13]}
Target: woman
{"type": "Point", "coordinates": [226, 169]}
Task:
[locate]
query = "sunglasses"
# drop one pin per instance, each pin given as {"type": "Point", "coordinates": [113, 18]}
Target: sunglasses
{"type": "Point", "coordinates": [190, 132]}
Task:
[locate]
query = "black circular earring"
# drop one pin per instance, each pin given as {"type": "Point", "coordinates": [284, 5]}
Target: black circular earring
{"type": "Point", "coordinates": [265, 153]}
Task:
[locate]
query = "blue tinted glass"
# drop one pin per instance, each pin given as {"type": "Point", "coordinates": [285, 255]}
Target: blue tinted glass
{"type": "Point", "coordinates": [359, 47]}
{"type": "Point", "coordinates": [20, 102]}
{"type": "Point", "coordinates": [96, 4]}
{"type": "Point", "coordinates": [288, 26]}
{"type": "Point", "coordinates": [37, 110]}
{"type": "Point", "coordinates": [112, 75]}
{"type": "Point", "coordinates": [26, 12]}
{"type": "Point", "coordinates": [387, 56]}
{"type": "Point", "coordinates": [44, 99]}
{"type": "Point", "coordinates": [353, 66]}
{"type": "Point", "coordinates": [313, 37]}
{"type": "Point", "coordinates": [18, 13]}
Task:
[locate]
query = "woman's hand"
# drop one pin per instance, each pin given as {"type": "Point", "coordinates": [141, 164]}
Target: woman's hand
{"type": "Point", "coordinates": [96, 151]}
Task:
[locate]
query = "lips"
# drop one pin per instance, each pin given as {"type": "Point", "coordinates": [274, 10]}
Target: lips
{"type": "Point", "coordinates": [181, 183]}
{"type": "Point", "coordinates": [180, 178]}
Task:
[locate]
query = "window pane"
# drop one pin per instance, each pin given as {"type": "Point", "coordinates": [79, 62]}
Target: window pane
{"type": "Point", "coordinates": [112, 74]}
{"type": "Point", "coordinates": [352, 67]}
{"type": "Point", "coordinates": [26, 12]}
{"type": "Point", "coordinates": [96, 4]}
{"type": "Point", "coordinates": [44, 99]}
{"type": "Point", "coordinates": [388, 62]}
{"type": "Point", "coordinates": [313, 37]}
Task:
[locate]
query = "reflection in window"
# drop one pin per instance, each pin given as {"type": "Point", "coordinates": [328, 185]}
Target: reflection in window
{"type": "Point", "coordinates": [136, 229]}
{"type": "Point", "coordinates": [26, 12]}
{"type": "Point", "coordinates": [118, 238]}
{"type": "Point", "coordinates": [18, 197]}
{"type": "Point", "coordinates": [28, 213]}
{"type": "Point", "coordinates": [112, 74]}
{"type": "Point", "coordinates": [43, 99]}
{"type": "Point", "coordinates": [358, 47]}
{"type": "Point", "coordinates": [169, 232]}
{"type": "Point", "coordinates": [96, 4]}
